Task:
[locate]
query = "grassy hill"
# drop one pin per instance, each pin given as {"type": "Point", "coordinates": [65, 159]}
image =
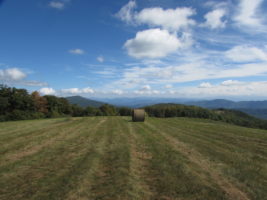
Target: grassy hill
{"type": "Point", "coordinates": [84, 102]}
{"type": "Point", "coordinates": [225, 115]}
{"type": "Point", "coordinates": [254, 108]}
{"type": "Point", "coordinates": [114, 158]}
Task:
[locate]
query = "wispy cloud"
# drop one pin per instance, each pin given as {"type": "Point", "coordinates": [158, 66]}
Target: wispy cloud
{"type": "Point", "coordinates": [47, 91]}
{"type": "Point", "coordinates": [57, 5]}
{"type": "Point", "coordinates": [250, 15]}
{"type": "Point", "coordinates": [77, 51]}
{"type": "Point", "coordinates": [100, 59]}
{"type": "Point", "coordinates": [214, 19]}
{"type": "Point", "coordinates": [87, 90]}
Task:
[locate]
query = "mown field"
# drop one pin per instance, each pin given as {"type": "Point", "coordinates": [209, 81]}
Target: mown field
{"type": "Point", "coordinates": [113, 158]}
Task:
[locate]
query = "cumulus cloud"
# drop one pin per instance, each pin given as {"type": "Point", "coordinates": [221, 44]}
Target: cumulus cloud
{"type": "Point", "coordinates": [76, 51]}
{"type": "Point", "coordinates": [170, 19]}
{"type": "Point", "coordinates": [146, 88]}
{"type": "Point", "coordinates": [214, 19]}
{"type": "Point", "coordinates": [100, 59]}
{"type": "Point", "coordinates": [12, 74]}
{"type": "Point", "coordinates": [152, 43]}
{"type": "Point", "coordinates": [57, 5]}
{"type": "Point", "coordinates": [17, 76]}
{"type": "Point", "coordinates": [231, 82]}
{"type": "Point", "coordinates": [78, 91]}
{"type": "Point", "coordinates": [248, 13]}
{"type": "Point", "coordinates": [205, 85]}
{"type": "Point", "coordinates": [244, 53]}
{"type": "Point", "coordinates": [126, 13]}
{"type": "Point", "coordinates": [47, 91]}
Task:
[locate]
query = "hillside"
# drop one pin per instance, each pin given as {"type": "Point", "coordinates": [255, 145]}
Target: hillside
{"type": "Point", "coordinates": [84, 102]}
{"type": "Point", "coordinates": [114, 158]}
{"type": "Point", "coordinates": [222, 103]}
{"type": "Point", "coordinates": [138, 102]}
{"type": "Point", "coordinates": [255, 108]}
{"type": "Point", "coordinates": [226, 115]}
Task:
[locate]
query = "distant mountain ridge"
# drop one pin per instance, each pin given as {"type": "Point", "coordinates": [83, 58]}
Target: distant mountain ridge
{"type": "Point", "coordinates": [84, 102]}
{"type": "Point", "coordinates": [217, 103]}
{"type": "Point", "coordinates": [254, 108]}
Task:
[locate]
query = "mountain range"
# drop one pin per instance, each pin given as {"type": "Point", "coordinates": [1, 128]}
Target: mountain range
{"type": "Point", "coordinates": [84, 102]}
{"type": "Point", "coordinates": [254, 108]}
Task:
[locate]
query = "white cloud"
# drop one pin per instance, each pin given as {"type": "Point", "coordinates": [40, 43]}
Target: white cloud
{"type": "Point", "coordinates": [246, 53]}
{"type": "Point", "coordinates": [76, 51]}
{"type": "Point", "coordinates": [152, 43]}
{"type": "Point", "coordinates": [195, 71]}
{"type": "Point", "coordinates": [100, 59]}
{"type": "Point", "coordinates": [249, 89]}
{"type": "Point", "coordinates": [231, 82]}
{"type": "Point", "coordinates": [148, 92]}
{"type": "Point", "coordinates": [17, 76]}
{"type": "Point", "coordinates": [57, 5]}
{"type": "Point", "coordinates": [47, 91]}
{"type": "Point", "coordinates": [146, 88]}
{"type": "Point", "coordinates": [117, 92]}
{"type": "Point", "coordinates": [12, 74]}
{"type": "Point", "coordinates": [248, 13]}
{"type": "Point", "coordinates": [87, 91]}
{"type": "Point", "coordinates": [126, 13]}
{"type": "Point", "coordinates": [168, 86]}
{"type": "Point", "coordinates": [78, 91]}
{"type": "Point", "coordinates": [205, 85]}
{"type": "Point", "coordinates": [170, 19]}
{"type": "Point", "coordinates": [214, 19]}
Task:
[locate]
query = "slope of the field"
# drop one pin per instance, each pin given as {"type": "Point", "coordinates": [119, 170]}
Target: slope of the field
{"type": "Point", "coordinates": [114, 158]}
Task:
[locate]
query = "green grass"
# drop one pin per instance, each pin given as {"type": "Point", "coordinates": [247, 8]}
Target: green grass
{"type": "Point", "coordinates": [114, 158]}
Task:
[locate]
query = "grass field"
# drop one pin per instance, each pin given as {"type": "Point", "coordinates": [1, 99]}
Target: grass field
{"type": "Point", "coordinates": [114, 158]}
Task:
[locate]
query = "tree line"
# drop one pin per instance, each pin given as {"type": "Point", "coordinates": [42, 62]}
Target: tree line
{"type": "Point", "coordinates": [225, 115]}
{"type": "Point", "coordinates": [19, 104]}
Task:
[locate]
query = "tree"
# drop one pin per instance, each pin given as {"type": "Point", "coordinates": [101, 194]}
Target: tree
{"type": "Point", "coordinates": [39, 102]}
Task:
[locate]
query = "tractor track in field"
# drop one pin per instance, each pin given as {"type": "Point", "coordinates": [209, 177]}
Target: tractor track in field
{"type": "Point", "coordinates": [31, 150]}
{"type": "Point", "coordinates": [138, 164]}
{"type": "Point", "coordinates": [83, 188]}
{"type": "Point", "coordinates": [195, 157]}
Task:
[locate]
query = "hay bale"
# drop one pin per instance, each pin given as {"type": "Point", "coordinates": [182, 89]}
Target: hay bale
{"type": "Point", "coordinates": [138, 115]}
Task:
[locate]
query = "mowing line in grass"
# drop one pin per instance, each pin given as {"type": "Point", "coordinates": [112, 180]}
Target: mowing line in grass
{"type": "Point", "coordinates": [195, 157]}
{"type": "Point", "coordinates": [28, 147]}
{"type": "Point", "coordinates": [169, 175]}
{"type": "Point", "coordinates": [51, 172]}
{"type": "Point", "coordinates": [112, 178]}
{"type": "Point", "coordinates": [138, 164]}
{"type": "Point", "coordinates": [83, 188]}
{"type": "Point", "coordinates": [243, 165]}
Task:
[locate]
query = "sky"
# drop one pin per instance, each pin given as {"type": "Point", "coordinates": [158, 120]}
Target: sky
{"type": "Point", "coordinates": [136, 48]}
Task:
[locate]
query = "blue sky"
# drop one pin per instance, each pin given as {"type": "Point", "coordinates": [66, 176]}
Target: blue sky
{"type": "Point", "coordinates": [159, 48]}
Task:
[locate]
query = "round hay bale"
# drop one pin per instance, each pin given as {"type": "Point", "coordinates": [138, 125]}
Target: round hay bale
{"type": "Point", "coordinates": [138, 115]}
